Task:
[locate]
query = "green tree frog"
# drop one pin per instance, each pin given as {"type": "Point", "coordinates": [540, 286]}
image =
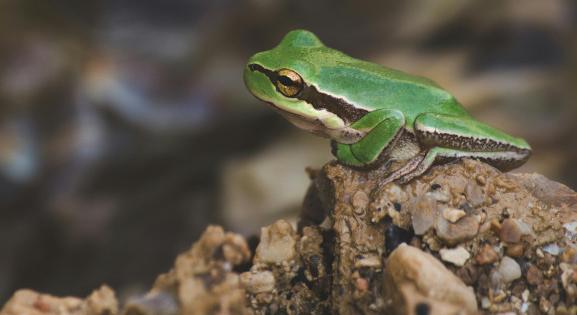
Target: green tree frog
{"type": "Point", "coordinates": [371, 113]}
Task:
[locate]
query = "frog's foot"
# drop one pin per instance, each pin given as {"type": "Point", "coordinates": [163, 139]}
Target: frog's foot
{"type": "Point", "coordinates": [402, 172]}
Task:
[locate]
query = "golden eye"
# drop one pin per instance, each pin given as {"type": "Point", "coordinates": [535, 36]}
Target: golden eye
{"type": "Point", "coordinates": [288, 82]}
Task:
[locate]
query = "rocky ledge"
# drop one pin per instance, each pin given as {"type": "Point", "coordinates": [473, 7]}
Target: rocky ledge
{"type": "Point", "coordinates": [463, 239]}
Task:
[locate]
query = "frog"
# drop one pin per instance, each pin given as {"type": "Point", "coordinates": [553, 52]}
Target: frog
{"type": "Point", "coordinates": [374, 115]}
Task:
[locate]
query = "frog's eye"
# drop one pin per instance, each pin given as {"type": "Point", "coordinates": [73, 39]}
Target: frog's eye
{"type": "Point", "coordinates": [288, 82]}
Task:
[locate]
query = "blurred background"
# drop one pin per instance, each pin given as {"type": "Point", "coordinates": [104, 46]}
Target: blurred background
{"type": "Point", "coordinates": [125, 127]}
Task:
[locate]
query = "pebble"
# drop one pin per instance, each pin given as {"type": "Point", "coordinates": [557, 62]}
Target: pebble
{"type": "Point", "coordinates": [552, 249]}
{"type": "Point", "coordinates": [423, 215]}
{"type": "Point", "coordinates": [568, 256]}
{"type": "Point", "coordinates": [534, 275]}
{"type": "Point", "coordinates": [277, 244]}
{"type": "Point", "coordinates": [408, 265]}
{"type": "Point", "coordinates": [510, 231]}
{"type": "Point", "coordinates": [368, 261]}
{"type": "Point", "coordinates": [487, 255]}
{"type": "Point", "coordinates": [474, 194]}
{"type": "Point", "coordinates": [257, 282]}
{"type": "Point", "coordinates": [439, 196]}
{"type": "Point", "coordinates": [362, 284]}
{"type": "Point", "coordinates": [509, 269]}
{"type": "Point", "coordinates": [457, 256]}
{"type": "Point", "coordinates": [485, 303]}
{"type": "Point", "coordinates": [453, 215]}
{"type": "Point", "coordinates": [454, 233]}
{"type": "Point", "coordinates": [360, 200]}
{"type": "Point", "coordinates": [571, 229]}
{"type": "Point", "coordinates": [515, 250]}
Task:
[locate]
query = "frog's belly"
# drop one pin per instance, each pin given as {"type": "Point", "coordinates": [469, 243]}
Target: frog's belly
{"type": "Point", "coordinates": [405, 148]}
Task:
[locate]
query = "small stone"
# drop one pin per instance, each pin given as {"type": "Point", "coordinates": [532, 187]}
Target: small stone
{"type": "Point", "coordinates": [440, 196]}
{"type": "Point", "coordinates": [362, 284]}
{"type": "Point", "coordinates": [408, 265]}
{"type": "Point", "coordinates": [534, 275]}
{"type": "Point", "coordinates": [544, 305]}
{"type": "Point", "coordinates": [571, 229]}
{"type": "Point", "coordinates": [423, 215]}
{"type": "Point", "coordinates": [525, 295]}
{"type": "Point", "coordinates": [481, 180]}
{"type": "Point", "coordinates": [495, 225]}
{"type": "Point", "coordinates": [552, 249]}
{"type": "Point", "coordinates": [509, 269]}
{"type": "Point", "coordinates": [510, 231]}
{"type": "Point", "coordinates": [454, 233]}
{"type": "Point", "coordinates": [257, 282]}
{"type": "Point", "coordinates": [469, 274]}
{"type": "Point", "coordinates": [487, 255]}
{"type": "Point", "coordinates": [277, 244]}
{"type": "Point", "coordinates": [368, 261]}
{"type": "Point", "coordinates": [474, 194]}
{"type": "Point", "coordinates": [360, 200]}
{"type": "Point", "coordinates": [568, 256]}
{"type": "Point", "coordinates": [457, 256]}
{"type": "Point", "coordinates": [453, 215]}
{"type": "Point", "coordinates": [485, 303]}
{"type": "Point", "coordinates": [515, 250]}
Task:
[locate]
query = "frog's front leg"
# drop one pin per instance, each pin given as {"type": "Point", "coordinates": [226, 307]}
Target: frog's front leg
{"type": "Point", "coordinates": [382, 126]}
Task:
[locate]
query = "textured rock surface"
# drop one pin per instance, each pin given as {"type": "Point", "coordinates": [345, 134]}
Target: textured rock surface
{"type": "Point", "coordinates": [28, 302]}
{"type": "Point", "coordinates": [476, 241]}
{"type": "Point", "coordinates": [409, 265]}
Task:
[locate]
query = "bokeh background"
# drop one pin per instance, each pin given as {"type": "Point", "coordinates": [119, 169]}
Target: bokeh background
{"type": "Point", "coordinates": [125, 127]}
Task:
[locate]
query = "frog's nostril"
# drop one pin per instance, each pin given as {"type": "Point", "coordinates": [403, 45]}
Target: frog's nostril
{"type": "Point", "coordinates": [255, 67]}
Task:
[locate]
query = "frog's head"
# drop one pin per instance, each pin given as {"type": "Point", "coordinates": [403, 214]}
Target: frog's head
{"type": "Point", "coordinates": [285, 77]}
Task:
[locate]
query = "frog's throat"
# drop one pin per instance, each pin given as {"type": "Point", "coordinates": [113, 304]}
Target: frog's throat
{"type": "Point", "coordinates": [319, 100]}
{"type": "Point", "coordinates": [344, 134]}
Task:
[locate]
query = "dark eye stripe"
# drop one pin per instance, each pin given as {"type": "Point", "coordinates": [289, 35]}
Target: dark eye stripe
{"type": "Point", "coordinates": [318, 100]}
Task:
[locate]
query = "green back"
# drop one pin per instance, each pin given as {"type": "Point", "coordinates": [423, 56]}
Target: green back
{"type": "Point", "coordinates": [364, 84]}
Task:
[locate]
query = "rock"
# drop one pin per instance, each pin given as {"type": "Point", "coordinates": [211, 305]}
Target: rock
{"type": "Point", "coordinates": [515, 250]}
{"type": "Point", "coordinates": [474, 193]}
{"type": "Point", "coordinates": [154, 303]}
{"type": "Point", "coordinates": [277, 244]}
{"type": "Point", "coordinates": [99, 302]}
{"type": "Point", "coordinates": [343, 259]}
{"type": "Point", "coordinates": [412, 299]}
{"type": "Point", "coordinates": [257, 282]}
{"type": "Point", "coordinates": [455, 233]}
{"type": "Point", "coordinates": [423, 214]}
{"type": "Point", "coordinates": [509, 269]}
{"type": "Point", "coordinates": [568, 256]}
{"type": "Point", "coordinates": [534, 275]}
{"type": "Point", "coordinates": [457, 256]}
{"type": "Point", "coordinates": [453, 215]}
{"type": "Point", "coordinates": [510, 231]}
{"type": "Point", "coordinates": [552, 249]}
{"type": "Point", "coordinates": [201, 280]}
{"type": "Point", "coordinates": [487, 255]}
{"type": "Point", "coordinates": [409, 265]}
{"type": "Point", "coordinates": [360, 200]}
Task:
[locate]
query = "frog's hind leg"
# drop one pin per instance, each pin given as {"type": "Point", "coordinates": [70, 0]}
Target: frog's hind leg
{"type": "Point", "coordinates": [471, 138]}
{"type": "Point", "coordinates": [452, 138]}
{"type": "Point", "coordinates": [438, 153]}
